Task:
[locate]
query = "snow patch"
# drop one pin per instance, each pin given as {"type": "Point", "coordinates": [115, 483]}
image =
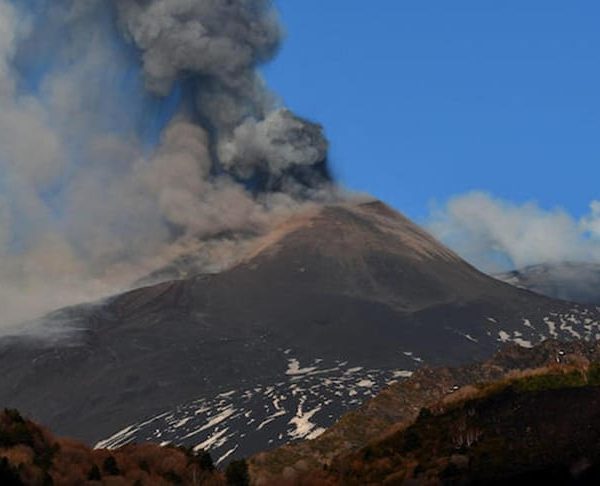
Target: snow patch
{"type": "Point", "coordinates": [366, 383]}
{"type": "Point", "coordinates": [527, 323]}
{"type": "Point", "coordinates": [295, 370]}
{"type": "Point", "coordinates": [551, 327]}
{"type": "Point", "coordinates": [227, 454]}
{"type": "Point", "coordinates": [215, 440]}
{"type": "Point", "coordinates": [402, 374]}
{"type": "Point", "coordinates": [523, 343]}
{"type": "Point", "coordinates": [303, 426]}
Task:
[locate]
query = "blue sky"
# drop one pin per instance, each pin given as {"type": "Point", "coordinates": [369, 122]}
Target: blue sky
{"type": "Point", "coordinates": [426, 100]}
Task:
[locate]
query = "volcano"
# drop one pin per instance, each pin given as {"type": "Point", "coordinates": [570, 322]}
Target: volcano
{"type": "Point", "coordinates": [315, 318]}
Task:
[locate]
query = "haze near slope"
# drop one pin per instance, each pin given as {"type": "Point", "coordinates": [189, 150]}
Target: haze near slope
{"type": "Point", "coordinates": [574, 281]}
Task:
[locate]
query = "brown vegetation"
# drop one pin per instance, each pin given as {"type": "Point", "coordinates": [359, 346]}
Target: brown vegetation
{"type": "Point", "coordinates": [425, 429]}
{"type": "Point", "coordinates": [31, 456]}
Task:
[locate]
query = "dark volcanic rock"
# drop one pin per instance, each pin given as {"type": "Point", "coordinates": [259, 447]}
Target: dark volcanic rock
{"type": "Point", "coordinates": [353, 284]}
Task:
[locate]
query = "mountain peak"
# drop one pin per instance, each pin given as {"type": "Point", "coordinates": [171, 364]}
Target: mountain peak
{"type": "Point", "coordinates": [348, 229]}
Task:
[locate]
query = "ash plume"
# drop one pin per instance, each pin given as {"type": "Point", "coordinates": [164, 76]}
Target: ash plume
{"type": "Point", "coordinates": [132, 131]}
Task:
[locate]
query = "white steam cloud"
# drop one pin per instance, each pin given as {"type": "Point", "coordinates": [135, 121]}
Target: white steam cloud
{"type": "Point", "coordinates": [132, 131]}
{"type": "Point", "coordinates": [497, 235]}
{"type": "Point", "coordinates": [279, 141]}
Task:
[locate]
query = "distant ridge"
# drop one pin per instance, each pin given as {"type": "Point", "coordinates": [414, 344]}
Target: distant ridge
{"type": "Point", "coordinates": [574, 281]}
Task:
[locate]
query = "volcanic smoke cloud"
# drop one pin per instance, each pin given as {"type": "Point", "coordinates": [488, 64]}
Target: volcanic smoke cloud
{"type": "Point", "coordinates": [497, 235]}
{"type": "Point", "coordinates": [131, 129]}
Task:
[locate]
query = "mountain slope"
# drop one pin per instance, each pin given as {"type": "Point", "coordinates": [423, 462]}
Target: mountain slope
{"type": "Point", "coordinates": [535, 409]}
{"type": "Point", "coordinates": [547, 436]}
{"type": "Point", "coordinates": [338, 289]}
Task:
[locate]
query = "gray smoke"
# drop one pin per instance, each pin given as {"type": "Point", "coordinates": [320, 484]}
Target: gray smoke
{"type": "Point", "coordinates": [222, 40]}
{"type": "Point", "coordinates": [105, 178]}
{"type": "Point", "coordinates": [280, 141]}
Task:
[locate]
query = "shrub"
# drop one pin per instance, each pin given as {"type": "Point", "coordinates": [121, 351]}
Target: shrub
{"type": "Point", "coordinates": [412, 441]}
{"type": "Point", "coordinates": [173, 477]}
{"type": "Point", "coordinates": [451, 471]}
{"type": "Point", "coordinates": [144, 466]}
{"type": "Point", "coordinates": [425, 413]}
{"type": "Point", "coordinates": [9, 475]}
{"type": "Point", "coordinates": [94, 474]}
{"type": "Point", "coordinates": [418, 470]}
{"type": "Point", "coordinates": [14, 415]}
{"type": "Point", "coordinates": [15, 434]}
{"type": "Point", "coordinates": [237, 473]}
{"type": "Point", "coordinates": [47, 479]}
{"type": "Point", "coordinates": [44, 457]}
{"type": "Point", "coordinates": [110, 466]}
{"type": "Point", "coordinates": [550, 381]}
{"type": "Point", "coordinates": [594, 374]}
{"type": "Point", "coordinates": [204, 460]}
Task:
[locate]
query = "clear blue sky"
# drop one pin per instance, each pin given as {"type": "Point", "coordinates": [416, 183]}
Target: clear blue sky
{"type": "Point", "coordinates": [423, 100]}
